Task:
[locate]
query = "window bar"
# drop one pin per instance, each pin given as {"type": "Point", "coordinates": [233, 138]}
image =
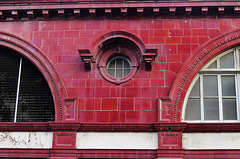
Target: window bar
{"type": "Point", "coordinates": [237, 95]}
{"type": "Point", "coordinates": [19, 78]}
{"type": "Point", "coordinates": [123, 71]}
{"type": "Point", "coordinates": [220, 98]}
{"type": "Point", "coordinates": [201, 98]}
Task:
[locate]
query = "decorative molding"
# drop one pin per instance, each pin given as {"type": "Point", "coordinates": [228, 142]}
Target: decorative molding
{"type": "Point", "coordinates": [194, 63]}
{"type": "Point", "coordinates": [87, 58]}
{"type": "Point", "coordinates": [88, 10]}
{"type": "Point", "coordinates": [42, 63]}
{"type": "Point", "coordinates": [148, 57]}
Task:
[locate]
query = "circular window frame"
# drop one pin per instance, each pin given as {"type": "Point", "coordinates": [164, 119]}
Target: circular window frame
{"type": "Point", "coordinates": [114, 52]}
{"type": "Point", "coordinates": [124, 58]}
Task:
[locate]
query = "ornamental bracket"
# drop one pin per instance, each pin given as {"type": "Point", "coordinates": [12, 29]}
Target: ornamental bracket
{"type": "Point", "coordinates": [87, 58]}
{"type": "Point", "coordinates": [148, 57]}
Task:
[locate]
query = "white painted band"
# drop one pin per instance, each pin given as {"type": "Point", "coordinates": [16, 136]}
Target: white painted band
{"type": "Point", "coordinates": [26, 139]}
{"type": "Point", "coordinates": [93, 140]}
{"type": "Point", "coordinates": [211, 140]}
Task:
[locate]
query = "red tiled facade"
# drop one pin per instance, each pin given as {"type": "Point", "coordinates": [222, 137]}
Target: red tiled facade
{"type": "Point", "coordinates": [150, 101]}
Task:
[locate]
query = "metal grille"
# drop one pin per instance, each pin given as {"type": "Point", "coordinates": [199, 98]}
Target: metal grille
{"type": "Point", "coordinates": [119, 67]}
{"type": "Point", "coordinates": [24, 93]}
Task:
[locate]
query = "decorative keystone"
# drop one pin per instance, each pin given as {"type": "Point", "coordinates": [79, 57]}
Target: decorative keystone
{"type": "Point", "coordinates": [149, 56]}
{"type": "Point", "coordinates": [87, 58]}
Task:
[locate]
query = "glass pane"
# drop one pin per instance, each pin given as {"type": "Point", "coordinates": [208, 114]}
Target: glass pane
{"type": "Point", "coordinates": [195, 90]}
{"type": "Point", "coordinates": [119, 63]}
{"type": "Point", "coordinates": [112, 64]}
{"type": "Point", "coordinates": [213, 65]}
{"type": "Point", "coordinates": [211, 109]}
{"type": "Point", "coordinates": [210, 85]}
{"type": "Point", "coordinates": [193, 110]}
{"type": "Point", "coordinates": [228, 85]}
{"type": "Point", "coordinates": [126, 72]}
{"type": "Point", "coordinates": [119, 73]}
{"type": "Point", "coordinates": [227, 61]}
{"type": "Point", "coordinates": [126, 64]}
{"type": "Point", "coordinates": [111, 72]}
{"type": "Point", "coordinates": [229, 109]}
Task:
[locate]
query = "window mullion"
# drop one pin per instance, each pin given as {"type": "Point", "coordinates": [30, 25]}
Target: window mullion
{"type": "Point", "coordinates": [18, 86]}
{"type": "Point", "coordinates": [201, 98]}
{"type": "Point", "coordinates": [220, 98]}
{"type": "Point", "coordinates": [237, 94]}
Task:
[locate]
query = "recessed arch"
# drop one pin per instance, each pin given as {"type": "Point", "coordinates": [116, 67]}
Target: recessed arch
{"type": "Point", "coordinates": [116, 34]}
{"type": "Point", "coordinates": [44, 65]}
{"type": "Point", "coordinates": [198, 59]}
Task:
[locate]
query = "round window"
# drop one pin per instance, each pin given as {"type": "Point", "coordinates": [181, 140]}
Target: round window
{"type": "Point", "coordinates": [118, 67]}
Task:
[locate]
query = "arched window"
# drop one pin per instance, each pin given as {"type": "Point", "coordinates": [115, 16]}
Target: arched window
{"type": "Point", "coordinates": [24, 93]}
{"type": "Point", "coordinates": [213, 95]}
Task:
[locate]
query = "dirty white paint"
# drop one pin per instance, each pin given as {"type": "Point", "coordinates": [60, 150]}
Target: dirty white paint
{"type": "Point", "coordinates": [26, 139]}
{"type": "Point", "coordinates": [211, 140]}
{"type": "Point", "coordinates": [117, 140]}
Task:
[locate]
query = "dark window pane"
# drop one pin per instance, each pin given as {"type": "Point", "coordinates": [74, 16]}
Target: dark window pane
{"type": "Point", "coordinates": [211, 109]}
{"type": "Point", "coordinates": [35, 99]}
{"type": "Point", "coordinates": [9, 67]}
{"type": "Point", "coordinates": [193, 111]}
{"type": "Point", "coordinates": [210, 85]}
{"type": "Point", "coordinates": [227, 61]}
{"type": "Point", "coordinates": [229, 109]}
{"type": "Point", "coordinates": [196, 89]}
{"type": "Point", "coordinates": [228, 85]}
{"type": "Point", "coordinates": [213, 65]}
{"type": "Point", "coordinates": [119, 63]}
{"type": "Point", "coordinates": [119, 73]}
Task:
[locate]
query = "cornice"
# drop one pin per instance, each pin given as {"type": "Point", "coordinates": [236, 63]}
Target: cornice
{"type": "Point", "coordinates": [114, 9]}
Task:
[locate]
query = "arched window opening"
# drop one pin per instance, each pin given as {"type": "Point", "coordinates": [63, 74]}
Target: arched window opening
{"type": "Point", "coordinates": [214, 94]}
{"type": "Point", "coordinates": [24, 93]}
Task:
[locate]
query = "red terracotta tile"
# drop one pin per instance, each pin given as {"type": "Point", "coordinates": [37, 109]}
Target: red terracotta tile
{"type": "Point", "coordinates": [139, 24]}
{"type": "Point", "coordinates": [117, 116]}
{"type": "Point", "coordinates": [49, 42]}
{"type": "Point", "coordinates": [155, 24]}
{"type": "Point", "coordinates": [175, 32]}
{"type": "Point", "coordinates": [142, 104]}
{"type": "Point", "coordinates": [56, 34]}
{"type": "Point", "coordinates": [173, 58]}
{"type": "Point", "coordinates": [78, 25]}
{"type": "Point", "coordinates": [118, 92]}
{"type": "Point", "coordinates": [62, 25]}
{"type": "Point", "coordinates": [200, 32]}
{"type": "Point", "coordinates": [141, 82]}
{"type": "Point", "coordinates": [86, 33]}
{"type": "Point", "coordinates": [102, 92]}
{"type": "Point", "coordinates": [133, 116]}
{"type": "Point", "coordinates": [149, 92]}
{"type": "Point", "coordinates": [86, 92]}
{"type": "Point", "coordinates": [46, 25]}
{"type": "Point", "coordinates": [71, 34]}
{"type": "Point", "coordinates": [156, 40]}
{"type": "Point", "coordinates": [109, 104]}
{"type": "Point", "coordinates": [93, 24]}
{"type": "Point", "coordinates": [156, 74]}
{"type": "Point", "coordinates": [68, 41]}
{"type": "Point", "coordinates": [175, 67]}
{"type": "Point", "coordinates": [86, 116]}
{"type": "Point", "coordinates": [40, 34]}
{"type": "Point", "coordinates": [169, 49]}
{"type": "Point", "coordinates": [133, 92]}
{"type": "Point", "coordinates": [54, 49]}
{"type": "Point", "coordinates": [173, 40]}
{"type": "Point", "coordinates": [102, 116]}
{"type": "Point", "coordinates": [161, 32]}
{"type": "Point", "coordinates": [126, 103]}
{"type": "Point", "coordinates": [184, 49]}
{"type": "Point", "coordinates": [171, 24]}
{"type": "Point", "coordinates": [157, 82]}
{"type": "Point", "coordinates": [149, 116]}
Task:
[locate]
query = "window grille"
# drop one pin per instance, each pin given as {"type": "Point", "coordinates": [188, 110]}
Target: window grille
{"type": "Point", "coordinates": [24, 93]}
{"type": "Point", "coordinates": [214, 95]}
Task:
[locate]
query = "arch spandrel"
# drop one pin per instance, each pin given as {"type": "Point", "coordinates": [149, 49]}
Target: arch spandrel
{"type": "Point", "coordinates": [199, 58]}
{"type": "Point", "coordinates": [43, 64]}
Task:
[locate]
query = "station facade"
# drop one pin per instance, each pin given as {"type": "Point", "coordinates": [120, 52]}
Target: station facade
{"type": "Point", "coordinates": [119, 79]}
